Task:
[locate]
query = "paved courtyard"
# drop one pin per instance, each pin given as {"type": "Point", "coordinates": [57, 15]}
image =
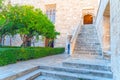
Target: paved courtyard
{"type": "Point", "coordinates": [55, 60]}
{"type": "Point", "coordinates": [12, 69]}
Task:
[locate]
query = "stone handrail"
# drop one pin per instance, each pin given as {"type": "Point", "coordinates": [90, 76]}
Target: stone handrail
{"type": "Point", "coordinates": [74, 38]}
{"type": "Point", "coordinates": [98, 20]}
{"type": "Point", "coordinates": [99, 16]}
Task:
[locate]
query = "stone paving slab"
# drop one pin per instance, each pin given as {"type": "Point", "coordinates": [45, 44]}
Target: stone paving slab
{"type": "Point", "coordinates": [86, 58]}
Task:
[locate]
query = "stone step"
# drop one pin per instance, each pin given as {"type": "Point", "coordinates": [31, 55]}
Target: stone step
{"type": "Point", "coordinates": [69, 76]}
{"type": "Point", "coordinates": [88, 44]}
{"type": "Point", "coordinates": [58, 75]}
{"type": "Point", "coordinates": [15, 75]}
{"type": "Point", "coordinates": [87, 65]}
{"type": "Point", "coordinates": [106, 74]}
{"type": "Point", "coordinates": [83, 38]}
{"type": "Point", "coordinates": [88, 31]}
{"type": "Point", "coordinates": [88, 27]}
{"type": "Point", "coordinates": [88, 40]}
{"type": "Point", "coordinates": [64, 73]}
{"type": "Point", "coordinates": [86, 36]}
{"type": "Point", "coordinates": [19, 74]}
{"type": "Point", "coordinates": [90, 49]}
{"type": "Point", "coordinates": [46, 78]}
{"type": "Point", "coordinates": [30, 76]}
{"type": "Point", "coordinates": [87, 49]}
{"type": "Point", "coordinates": [87, 52]}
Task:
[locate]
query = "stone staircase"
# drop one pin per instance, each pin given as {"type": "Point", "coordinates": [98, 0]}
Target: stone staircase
{"type": "Point", "coordinates": [80, 66]}
{"type": "Point", "coordinates": [75, 70]}
{"type": "Point", "coordinates": [87, 41]}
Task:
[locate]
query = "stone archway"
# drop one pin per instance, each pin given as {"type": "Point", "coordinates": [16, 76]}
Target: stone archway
{"type": "Point", "coordinates": [88, 19]}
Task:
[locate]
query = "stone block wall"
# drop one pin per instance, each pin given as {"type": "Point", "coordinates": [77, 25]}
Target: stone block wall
{"type": "Point", "coordinates": [106, 33]}
{"type": "Point", "coordinates": [115, 37]}
{"type": "Point", "coordinates": [68, 14]}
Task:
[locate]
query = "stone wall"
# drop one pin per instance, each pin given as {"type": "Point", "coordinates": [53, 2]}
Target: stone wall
{"type": "Point", "coordinates": [106, 33]}
{"type": "Point", "coordinates": [115, 37]}
{"type": "Point", "coordinates": [99, 22]}
{"type": "Point", "coordinates": [68, 14]}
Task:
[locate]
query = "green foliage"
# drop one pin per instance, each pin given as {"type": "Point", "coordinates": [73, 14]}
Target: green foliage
{"type": "Point", "coordinates": [27, 20]}
{"type": "Point", "coordinates": [12, 55]}
{"type": "Point", "coordinates": [2, 19]}
{"type": "Point", "coordinates": [1, 3]}
{"type": "Point", "coordinates": [9, 47]}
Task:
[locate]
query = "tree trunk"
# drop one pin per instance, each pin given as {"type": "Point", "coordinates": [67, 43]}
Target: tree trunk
{"type": "Point", "coordinates": [26, 41]}
{"type": "Point", "coordinates": [49, 42]}
{"type": "Point", "coordinates": [46, 42]}
{"type": "Point", "coordinates": [10, 41]}
{"type": "Point", "coordinates": [0, 41]}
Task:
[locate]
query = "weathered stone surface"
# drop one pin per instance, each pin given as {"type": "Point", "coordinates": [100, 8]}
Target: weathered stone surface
{"type": "Point", "coordinates": [87, 41]}
{"type": "Point", "coordinates": [60, 67]}
{"type": "Point", "coordinates": [69, 13]}
{"type": "Point", "coordinates": [115, 37]}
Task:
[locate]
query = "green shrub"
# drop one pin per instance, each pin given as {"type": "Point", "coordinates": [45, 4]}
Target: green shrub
{"type": "Point", "coordinates": [6, 57]}
{"type": "Point", "coordinates": [12, 55]}
{"type": "Point", "coordinates": [10, 46]}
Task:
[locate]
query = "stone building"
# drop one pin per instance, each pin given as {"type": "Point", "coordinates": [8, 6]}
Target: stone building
{"type": "Point", "coordinates": [107, 25]}
{"type": "Point", "coordinates": [70, 15]}
{"type": "Point", "coordinates": [66, 15]}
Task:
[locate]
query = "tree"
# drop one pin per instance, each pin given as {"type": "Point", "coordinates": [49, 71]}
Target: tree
{"type": "Point", "coordinates": [28, 22]}
{"type": "Point", "coordinates": [1, 3]}
{"type": "Point", "coordinates": [2, 20]}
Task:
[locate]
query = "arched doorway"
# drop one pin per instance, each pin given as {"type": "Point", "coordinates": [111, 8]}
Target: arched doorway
{"type": "Point", "coordinates": [88, 19]}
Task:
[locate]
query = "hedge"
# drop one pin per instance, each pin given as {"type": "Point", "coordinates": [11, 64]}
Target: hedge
{"type": "Point", "coordinates": [13, 55]}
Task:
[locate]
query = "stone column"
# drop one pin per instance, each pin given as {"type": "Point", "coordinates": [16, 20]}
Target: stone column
{"type": "Point", "coordinates": [115, 37]}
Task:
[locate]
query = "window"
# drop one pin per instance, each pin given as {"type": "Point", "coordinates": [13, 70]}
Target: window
{"type": "Point", "coordinates": [51, 12]}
